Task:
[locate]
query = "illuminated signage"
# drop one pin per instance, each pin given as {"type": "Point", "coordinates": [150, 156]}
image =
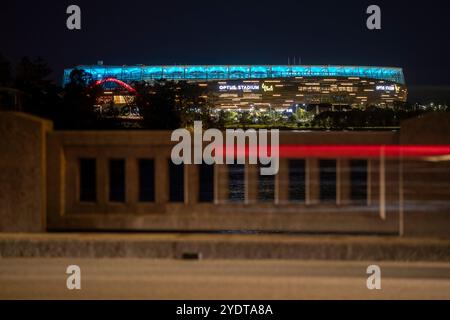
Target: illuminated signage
{"type": "Point", "coordinates": [385, 88]}
{"type": "Point", "coordinates": [267, 88]}
{"type": "Point", "coordinates": [239, 87]}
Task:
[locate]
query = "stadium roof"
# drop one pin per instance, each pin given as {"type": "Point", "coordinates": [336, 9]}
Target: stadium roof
{"type": "Point", "coordinates": [226, 72]}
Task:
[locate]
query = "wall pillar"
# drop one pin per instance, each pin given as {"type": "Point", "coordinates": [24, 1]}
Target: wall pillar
{"type": "Point", "coordinates": [132, 181]}
{"type": "Point", "coordinates": [23, 169]}
{"type": "Point", "coordinates": [382, 185]}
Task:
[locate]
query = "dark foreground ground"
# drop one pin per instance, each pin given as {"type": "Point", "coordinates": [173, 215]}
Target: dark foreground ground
{"type": "Point", "coordinates": [45, 278]}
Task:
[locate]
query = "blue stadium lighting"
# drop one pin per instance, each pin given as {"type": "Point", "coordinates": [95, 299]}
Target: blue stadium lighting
{"type": "Point", "coordinates": [223, 72]}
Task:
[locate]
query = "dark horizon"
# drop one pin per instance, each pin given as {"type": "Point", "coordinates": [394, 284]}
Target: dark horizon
{"type": "Point", "coordinates": [412, 37]}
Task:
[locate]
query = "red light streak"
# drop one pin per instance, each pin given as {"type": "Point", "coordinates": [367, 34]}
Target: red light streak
{"type": "Point", "coordinates": [345, 151]}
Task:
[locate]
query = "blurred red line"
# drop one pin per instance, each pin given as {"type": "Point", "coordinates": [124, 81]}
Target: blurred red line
{"type": "Point", "coordinates": [335, 151]}
{"type": "Point", "coordinates": [343, 151]}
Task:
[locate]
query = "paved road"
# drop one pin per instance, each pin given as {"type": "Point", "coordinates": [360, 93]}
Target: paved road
{"type": "Point", "coordinates": [219, 279]}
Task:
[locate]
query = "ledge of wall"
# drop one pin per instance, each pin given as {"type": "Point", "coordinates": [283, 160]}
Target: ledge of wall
{"type": "Point", "coordinates": [429, 128]}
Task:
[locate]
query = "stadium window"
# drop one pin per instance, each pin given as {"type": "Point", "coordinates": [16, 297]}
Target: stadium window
{"type": "Point", "coordinates": [358, 180]}
{"type": "Point", "coordinates": [88, 180]}
{"type": "Point", "coordinates": [297, 176]}
{"type": "Point", "coordinates": [146, 180]}
{"type": "Point", "coordinates": [206, 183]}
{"type": "Point", "coordinates": [266, 187]}
{"type": "Point", "coordinates": [176, 182]}
{"type": "Point", "coordinates": [117, 180]}
{"type": "Point", "coordinates": [327, 173]}
{"type": "Point", "coordinates": [236, 182]}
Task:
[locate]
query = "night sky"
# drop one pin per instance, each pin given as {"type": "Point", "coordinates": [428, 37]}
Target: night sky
{"type": "Point", "coordinates": [414, 35]}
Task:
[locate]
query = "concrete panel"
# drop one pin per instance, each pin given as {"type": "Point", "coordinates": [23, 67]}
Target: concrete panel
{"type": "Point", "coordinates": [22, 172]}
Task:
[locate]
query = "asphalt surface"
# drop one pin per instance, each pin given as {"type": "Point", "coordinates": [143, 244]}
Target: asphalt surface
{"type": "Point", "coordinates": [45, 278]}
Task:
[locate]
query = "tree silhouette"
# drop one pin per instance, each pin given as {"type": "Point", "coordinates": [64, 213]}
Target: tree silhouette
{"type": "Point", "coordinates": [168, 105]}
{"type": "Point", "coordinates": [41, 95]}
{"type": "Point", "coordinates": [80, 96]}
{"type": "Point", "coordinates": [5, 72]}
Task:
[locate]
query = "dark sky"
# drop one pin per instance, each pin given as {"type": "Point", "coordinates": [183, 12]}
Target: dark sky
{"type": "Point", "coordinates": [414, 36]}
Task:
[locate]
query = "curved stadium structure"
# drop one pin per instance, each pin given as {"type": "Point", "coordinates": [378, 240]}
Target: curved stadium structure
{"type": "Point", "coordinates": [279, 87]}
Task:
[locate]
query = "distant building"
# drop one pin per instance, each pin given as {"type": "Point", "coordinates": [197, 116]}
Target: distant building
{"type": "Point", "coordinates": [10, 99]}
{"type": "Point", "coordinates": [280, 87]}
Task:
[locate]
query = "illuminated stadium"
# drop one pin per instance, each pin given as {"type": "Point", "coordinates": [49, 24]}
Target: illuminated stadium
{"type": "Point", "coordinates": [278, 87]}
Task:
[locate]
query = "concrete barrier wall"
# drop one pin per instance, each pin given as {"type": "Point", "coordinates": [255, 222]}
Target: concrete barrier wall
{"type": "Point", "coordinates": [67, 212]}
{"type": "Point", "coordinates": [427, 181]}
{"type": "Point", "coordinates": [39, 185]}
{"type": "Point", "coordinates": [23, 172]}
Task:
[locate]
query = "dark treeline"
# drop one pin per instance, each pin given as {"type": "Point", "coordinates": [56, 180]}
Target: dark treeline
{"type": "Point", "coordinates": [163, 104]}
{"type": "Point", "coordinates": [68, 108]}
{"type": "Point", "coordinates": [168, 105]}
{"type": "Point", "coordinates": [371, 117]}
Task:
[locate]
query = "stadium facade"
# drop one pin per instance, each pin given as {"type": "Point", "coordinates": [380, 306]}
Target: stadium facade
{"type": "Point", "coordinates": [278, 87]}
